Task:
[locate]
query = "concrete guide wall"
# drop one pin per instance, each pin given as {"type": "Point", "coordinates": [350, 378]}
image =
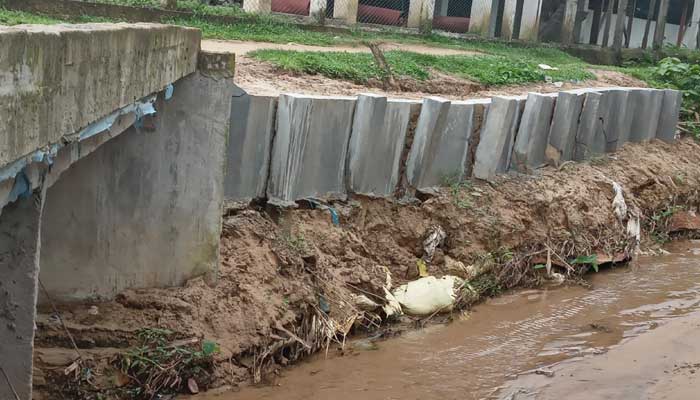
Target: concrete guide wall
{"type": "Point", "coordinates": [379, 131]}
{"type": "Point", "coordinates": [317, 137]}
{"type": "Point", "coordinates": [144, 209]}
{"type": "Point", "coordinates": [20, 227]}
{"type": "Point", "coordinates": [54, 87]}
{"type": "Point", "coordinates": [310, 148]}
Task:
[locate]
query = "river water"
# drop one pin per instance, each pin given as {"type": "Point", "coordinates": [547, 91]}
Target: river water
{"type": "Point", "coordinates": [508, 336]}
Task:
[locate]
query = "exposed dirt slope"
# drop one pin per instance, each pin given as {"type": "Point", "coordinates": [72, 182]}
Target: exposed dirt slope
{"type": "Point", "coordinates": [287, 278]}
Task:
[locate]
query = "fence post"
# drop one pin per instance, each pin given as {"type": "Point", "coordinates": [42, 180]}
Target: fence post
{"type": "Point", "coordinates": [420, 14]}
{"type": "Point", "coordinates": [346, 10]}
{"type": "Point", "coordinates": [257, 6]}
{"type": "Point", "coordinates": [660, 32]}
{"type": "Point", "coordinates": [483, 17]}
{"type": "Point", "coordinates": [569, 24]}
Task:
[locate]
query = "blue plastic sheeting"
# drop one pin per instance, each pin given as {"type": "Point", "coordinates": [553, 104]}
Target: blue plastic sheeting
{"type": "Point", "coordinates": [46, 155]}
{"type": "Point", "coordinates": [140, 108]}
{"type": "Point", "coordinates": [169, 92]}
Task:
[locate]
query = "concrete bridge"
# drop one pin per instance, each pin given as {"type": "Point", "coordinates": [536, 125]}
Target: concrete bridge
{"type": "Point", "coordinates": [112, 146]}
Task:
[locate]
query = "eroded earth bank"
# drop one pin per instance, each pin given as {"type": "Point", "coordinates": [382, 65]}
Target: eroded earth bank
{"type": "Point", "coordinates": [295, 282]}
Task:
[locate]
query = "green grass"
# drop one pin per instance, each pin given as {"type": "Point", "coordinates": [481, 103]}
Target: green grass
{"type": "Point", "coordinates": [260, 29]}
{"type": "Point", "coordinates": [360, 67]}
{"type": "Point", "coordinates": [182, 5]}
{"type": "Point", "coordinates": [8, 17]}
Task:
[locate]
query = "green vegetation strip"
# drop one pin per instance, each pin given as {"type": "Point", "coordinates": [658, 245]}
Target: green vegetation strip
{"type": "Point", "coordinates": [360, 67]}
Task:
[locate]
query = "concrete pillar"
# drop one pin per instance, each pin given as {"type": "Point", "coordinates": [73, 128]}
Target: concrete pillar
{"type": "Point", "coordinates": [692, 36]}
{"type": "Point", "coordinates": [257, 6]}
{"type": "Point", "coordinates": [620, 19]}
{"type": "Point", "coordinates": [420, 14]}
{"type": "Point", "coordinates": [317, 9]}
{"type": "Point", "coordinates": [530, 21]}
{"type": "Point", "coordinates": [569, 24]}
{"type": "Point", "coordinates": [20, 229]}
{"type": "Point", "coordinates": [483, 17]}
{"type": "Point", "coordinates": [508, 25]}
{"type": "Point", "coordinates": [346, 10]}
{"type": "Point", "coordinates": [660, 31]}
{"type": "Point", "coordinates": [144, 209]}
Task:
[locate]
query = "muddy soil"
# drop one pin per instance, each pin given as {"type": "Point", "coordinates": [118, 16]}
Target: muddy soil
{"type": "Point", "coordinates": [288, 279]}
{"type": "Point", "coordinates": [264, 79]}
{"type": "Point", "coordinates": [632, 331]}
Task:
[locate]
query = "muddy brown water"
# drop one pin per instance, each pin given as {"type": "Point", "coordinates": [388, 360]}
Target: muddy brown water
{"type": "Point", "coordinates": [510, 335]}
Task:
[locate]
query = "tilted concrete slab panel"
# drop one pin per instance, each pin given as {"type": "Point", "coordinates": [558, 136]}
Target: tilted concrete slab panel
{"type": "Point", "coordinates": [533, 134]}
{"type": "Point", "coordinates": [441, 141]}
{"type": "Point", "coordinates": [645, 109]}
{"type": "Point", "coordinates": [55, 80]}
{"type": "Point", "coordinates": [20, 227]}
{"type": "Point", "coordinates": [310, 148]}
{"type": "Point", "coordinates": [377, 141]}
{"type": "Point", "coordinates": [617, 118]}
{"type": "Point", "coordinates": [562, 135]}
{"type": "Point", "coordinates": [493, 155]}
{"type": "Point", "coordinates": [670, 113]}
{"type": "Point", "coordinates": [144, 209]}
{"type": "Point", "coordinates": [590, 137]}
{"type": "Point", "coordinates": [250, 143]}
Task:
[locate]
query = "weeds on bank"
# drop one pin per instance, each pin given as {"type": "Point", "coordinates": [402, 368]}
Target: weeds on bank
{"type": "Point", "coordinates": [158, 366]}
{"type": "Point", "coordinates": [685, 77]}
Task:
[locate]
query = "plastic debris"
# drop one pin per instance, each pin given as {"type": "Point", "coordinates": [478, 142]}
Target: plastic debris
{"type": "Point", "coordinates": [434, 239]}
{"type": "Point", "coordinates": [422, 268]}
{"type": "Point", "coordinates": [428, 295]}
{"type": "Point", "coordinates": [364, 303]}
{"type": "Point", "coordinates": [93, 310]}
{"type": "Point", "coordinates": [546, 67]}
{"type": "Point", "coordinates": [619, 205]}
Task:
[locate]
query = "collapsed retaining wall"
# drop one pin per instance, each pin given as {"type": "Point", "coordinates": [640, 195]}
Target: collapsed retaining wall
{"type": "Point", "coordinates": [327, 147]}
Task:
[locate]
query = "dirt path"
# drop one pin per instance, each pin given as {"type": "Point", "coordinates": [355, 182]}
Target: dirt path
{"type": "Point", "coordinates": [241, 48]}
{"type": "Point", "coordinates": [661, 364]}
{"type": "Point", "coordinates": [264, 79]}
